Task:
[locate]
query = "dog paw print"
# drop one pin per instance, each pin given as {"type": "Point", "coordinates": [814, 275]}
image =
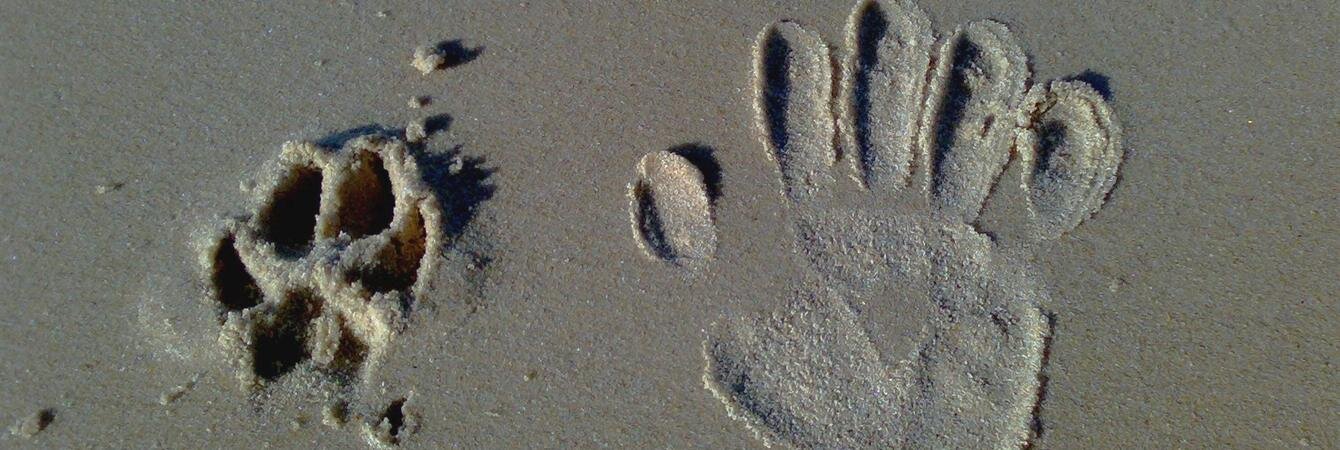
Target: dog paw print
{"type": "Point", "coordinates": [321, 278]}
{"type": "Point", "coordinates": [920, 329]}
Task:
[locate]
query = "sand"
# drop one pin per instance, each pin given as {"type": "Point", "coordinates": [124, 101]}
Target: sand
{"type": "Point", "coordinates": [671, 211]}
{"type": "Point", "coordinates": [1187, 291]}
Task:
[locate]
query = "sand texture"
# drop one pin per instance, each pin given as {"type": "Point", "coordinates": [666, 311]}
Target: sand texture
{"type": "Point", "coordinates": [688, 224]}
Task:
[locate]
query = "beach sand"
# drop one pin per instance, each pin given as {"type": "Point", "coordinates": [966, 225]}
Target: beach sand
{"type": "Point", "coordinates": [1197, 308]}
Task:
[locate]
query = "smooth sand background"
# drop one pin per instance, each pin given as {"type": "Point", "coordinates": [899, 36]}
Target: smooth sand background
{"type": "Point", "coordinates": [1197, 309]}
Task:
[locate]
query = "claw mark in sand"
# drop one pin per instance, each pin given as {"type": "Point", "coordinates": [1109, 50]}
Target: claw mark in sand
{"type": "Point", "coordinates": [394, 424]}
{"type": "Point", "coordinates": [179, 391]}
{"type": "Point", "coordinates": [671, 210]}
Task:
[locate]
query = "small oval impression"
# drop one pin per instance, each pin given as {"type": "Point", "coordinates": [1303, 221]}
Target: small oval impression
{"type": "Point", "coordinates": [671, 211]}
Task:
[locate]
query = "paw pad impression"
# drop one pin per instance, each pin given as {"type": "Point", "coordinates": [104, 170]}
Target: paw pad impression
{"type": "Point", "coordinates": [322, 276]}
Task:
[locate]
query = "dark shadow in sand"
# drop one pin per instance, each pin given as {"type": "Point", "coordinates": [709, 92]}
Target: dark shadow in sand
{"type": "Point", "coordinates": [777, 87]}
{"type": "Point", "coordinates": [455, 53]}
{"type": "Point", "coordinates": [702, 157]}
{"type": "Point", "coordinates": [1100, 82]}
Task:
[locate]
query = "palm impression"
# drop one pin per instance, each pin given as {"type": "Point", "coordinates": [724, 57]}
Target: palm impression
{"type": "Point", "coordinates": [920, 331]}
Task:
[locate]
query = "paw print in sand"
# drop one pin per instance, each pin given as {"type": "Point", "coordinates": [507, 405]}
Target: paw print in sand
{"type": "Point", "coordinates": [920, 327]}
{"type": "Point", "coordinates": [320, 279]}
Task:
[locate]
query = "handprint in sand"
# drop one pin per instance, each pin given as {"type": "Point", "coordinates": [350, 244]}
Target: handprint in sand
{"type": "Point", "coordinates": [918, 328]}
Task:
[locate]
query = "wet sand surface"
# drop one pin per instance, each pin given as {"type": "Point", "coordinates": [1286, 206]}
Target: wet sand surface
{"type": "Point", "coordinates": [1197, 308]}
